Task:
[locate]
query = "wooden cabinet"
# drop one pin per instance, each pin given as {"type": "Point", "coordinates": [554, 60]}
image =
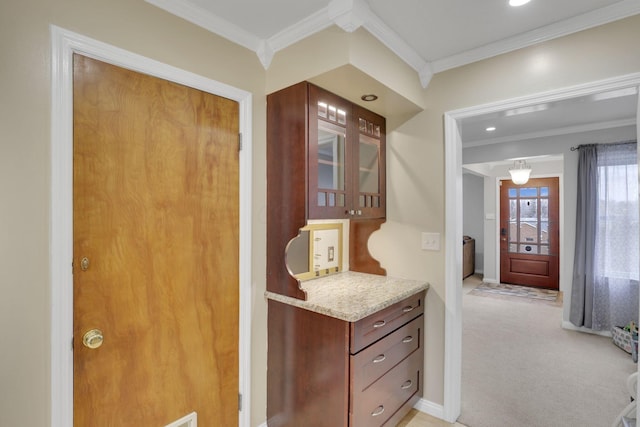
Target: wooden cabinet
{"type": "Point", "coordinates": [468, 256]}
{"type": "Point", "coordinates": [344, 165]}
{"type": "Point", "coordinates": [326, 372]}
{"type": "Point", "coordinates": [325, 160]}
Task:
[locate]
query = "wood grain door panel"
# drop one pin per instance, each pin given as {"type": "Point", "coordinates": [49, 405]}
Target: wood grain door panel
{"type": "Point", "coordinates": [529, 242]}
{"type": "Point", "coordinates": [156, 214]}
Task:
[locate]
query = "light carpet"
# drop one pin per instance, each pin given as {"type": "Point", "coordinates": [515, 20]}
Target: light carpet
{"type": "Point", "coordinates": [520, 368]}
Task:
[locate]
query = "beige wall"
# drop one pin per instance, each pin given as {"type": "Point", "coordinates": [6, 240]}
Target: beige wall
{"type": "Point", "coordinates": [24, 170]}
{"type": "Point", "coordinates": [415, 159]}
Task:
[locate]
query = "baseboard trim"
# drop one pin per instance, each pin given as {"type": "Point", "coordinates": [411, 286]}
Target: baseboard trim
{"type": "Point", "coordinates": [570, 326]}
{"type": "Point", "coordinates": [430, 408]}
{"type": "Point", "coordinates": [264, 424]}
{"type": "Point", "coordinates": [490, 280]}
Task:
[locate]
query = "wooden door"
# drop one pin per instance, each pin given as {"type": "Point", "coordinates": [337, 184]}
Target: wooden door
{"type": "Point", "coordinates": [156, 226]}
{"type": "Point", "coordinates": [529, 233]}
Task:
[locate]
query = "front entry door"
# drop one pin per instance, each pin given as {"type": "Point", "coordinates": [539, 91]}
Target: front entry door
{"type": "Point", "coordinates": [156, 227]}
{"type": "Point", "coordinates": [529, 230]}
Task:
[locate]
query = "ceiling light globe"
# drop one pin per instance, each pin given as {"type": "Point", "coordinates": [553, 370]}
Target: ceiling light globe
{"type": "Point", "coordinates": [520, 172]}
{"type": "Point", "coordinates": [516, 3]}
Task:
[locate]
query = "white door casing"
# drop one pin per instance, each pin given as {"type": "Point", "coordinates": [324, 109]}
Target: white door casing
{"type": "Point", "coordinates": [64, 44]}
{"type": "Point", "coordinates": [453, 213]}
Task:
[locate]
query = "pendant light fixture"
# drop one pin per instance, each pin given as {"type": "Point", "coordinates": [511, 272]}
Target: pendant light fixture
{"type": "Point", "coordinates": [520, 172]}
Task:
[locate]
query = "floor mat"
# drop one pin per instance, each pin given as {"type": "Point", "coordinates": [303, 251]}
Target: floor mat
{"type": "Point", "coordinates": [504, 290]}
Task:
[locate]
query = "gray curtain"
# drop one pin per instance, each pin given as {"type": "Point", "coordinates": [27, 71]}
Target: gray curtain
{"type": "Point", "coordinates": [582, 289]}
{"type": "Point", "coordinates": [605, 275]}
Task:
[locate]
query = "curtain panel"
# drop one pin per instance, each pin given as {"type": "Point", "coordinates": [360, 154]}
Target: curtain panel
{"type": "Point", "coordinates": [605, 277]}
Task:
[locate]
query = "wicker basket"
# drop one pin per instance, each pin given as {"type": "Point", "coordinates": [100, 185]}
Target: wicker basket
{"type": "Point", "coordinates": [622, 338]}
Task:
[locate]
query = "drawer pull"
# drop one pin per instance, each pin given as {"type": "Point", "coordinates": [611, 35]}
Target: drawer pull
{"type": "Point", "coordinates": [379, 323]}
{"type": "Point", "coordinates": [406, 384]}
{"type": "Point", "coordinates": [379, 358]}
{"type": "Point", "coordinates": [407, 339]}
{"type": "Point", "coordinates": [379, 410]}
{"type": "Point", "coordinates": [408, 309]}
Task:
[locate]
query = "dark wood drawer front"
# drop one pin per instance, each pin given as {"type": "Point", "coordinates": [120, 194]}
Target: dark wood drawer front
{"type": "Point", "coordinates": [370, 329]}
{"type": "Point", "coordinates": [378, 403]}
{"type": "Point", "coordinates": [379, 358]}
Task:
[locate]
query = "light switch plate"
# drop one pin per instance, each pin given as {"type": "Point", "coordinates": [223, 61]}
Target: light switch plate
{"type": "Point", "coordinates": [431, 241]}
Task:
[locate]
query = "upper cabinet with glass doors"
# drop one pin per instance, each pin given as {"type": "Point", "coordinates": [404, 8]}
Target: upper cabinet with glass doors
{"type": "Point", "coordinates": [325, 160]}
{"type": "Point", "coordinates": [346, 158]}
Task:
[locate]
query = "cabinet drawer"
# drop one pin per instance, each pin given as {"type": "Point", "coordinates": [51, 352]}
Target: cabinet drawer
{"type": "Point", "coordinates": [376, 360]}
{"type": "Point", "coordinates": [378, 403]}
{"type": "Point", "coordinates": [370, 329]}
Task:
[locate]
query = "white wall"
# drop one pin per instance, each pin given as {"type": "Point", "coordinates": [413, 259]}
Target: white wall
{"type": "Point", "coordinates": [568, 167]}
{"type": "Point", "coordinates": [473, 214]}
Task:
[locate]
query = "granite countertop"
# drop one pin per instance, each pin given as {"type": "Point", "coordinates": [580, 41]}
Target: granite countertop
{"type": "Point", "coordinates": [352, 296]}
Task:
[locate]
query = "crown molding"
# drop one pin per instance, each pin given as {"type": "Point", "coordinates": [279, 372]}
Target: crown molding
{"type": "Point", "coordinates": [349, 14]}
{"type": "Point", "coordinates": [207, 20]}
{"type": "Point", "coordinates": [585, 21]}
{"type": "Point", "coordinates": [353, 14]}
{"type": "Point", "coordinates": [310, 25]}
{"type": "Point", "coordinates": [590, 127]}
{"type": "Point", "coordinates": [394, 42]}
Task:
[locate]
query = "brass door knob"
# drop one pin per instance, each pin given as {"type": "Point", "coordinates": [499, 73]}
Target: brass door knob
{"type": "Point", "coordinates": [93, 339]}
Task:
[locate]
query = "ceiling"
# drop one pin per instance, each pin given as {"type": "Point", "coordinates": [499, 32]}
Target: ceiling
{"type": "Point", "coordinates": [432, 36]}
{"type": "Point", "coordinates": [604, 110]}
{"type": "Point", "coordinates": [429, 35]}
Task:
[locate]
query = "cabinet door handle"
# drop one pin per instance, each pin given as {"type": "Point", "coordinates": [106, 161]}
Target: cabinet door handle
{"type": "Point", "coordinates": [379, 410]}
{"type": "Point", "coordinates": [406, 384]}
{"type": "Point", "coordinates": [408, 309]}
{"type": "Point", "coordinates": [407, 339]}
{"type": "Point", "coordinates": [379, 323]}
{"type": "Point", "coordinates": [379, 358]}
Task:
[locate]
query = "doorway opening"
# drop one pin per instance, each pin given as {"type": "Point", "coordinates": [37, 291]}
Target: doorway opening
{"type": "Point", "coordinates": [453, 213]}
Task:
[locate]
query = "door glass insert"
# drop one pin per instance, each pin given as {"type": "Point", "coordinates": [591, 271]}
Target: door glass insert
{"type": "Point", "coordinates": [528, 220]}
{"type": "Point", "coordinates": [544, 232]}
{"type": "Point", "coordinates": [513, 210]}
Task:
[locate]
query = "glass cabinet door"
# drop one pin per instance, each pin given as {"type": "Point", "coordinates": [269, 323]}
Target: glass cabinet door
{"type": "Point", "coordinates": [331, 165]}
{"type": "Point", "coordinates": [370, 180]}
{"type": "Point", "coordinates": [346, 146]}
{"type": "Point", "coordinates": [329, 155]}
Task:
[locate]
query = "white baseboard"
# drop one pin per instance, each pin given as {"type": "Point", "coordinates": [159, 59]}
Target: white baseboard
{"type": "Point", "coordinates": [421, 405]}
{"type": "Point", "coordinates": [430, 408]}
{"type": "Point", "coordinates": [490, 280]}
{"type": "Point", "coordinates": [570, 326]}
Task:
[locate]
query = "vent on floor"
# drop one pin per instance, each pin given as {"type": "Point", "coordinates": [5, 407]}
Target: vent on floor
{"type": "Point", "coordinates": [190, 420]}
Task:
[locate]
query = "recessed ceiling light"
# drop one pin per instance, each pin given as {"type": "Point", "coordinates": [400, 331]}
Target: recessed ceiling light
{"type": "Point", "coordinates": [490, 129]}
{"type": "Point", "coordinates": [516, 3]}
{"type": "Point", "coordinates": [369, 97]}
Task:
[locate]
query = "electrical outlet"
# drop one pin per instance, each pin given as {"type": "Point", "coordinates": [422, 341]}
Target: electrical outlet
{"type": "Point", "coordinates": [431, 241]}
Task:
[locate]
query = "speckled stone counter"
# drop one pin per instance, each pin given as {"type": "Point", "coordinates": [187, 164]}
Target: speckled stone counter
{"type": "Point", "coordinates": [352, 296]}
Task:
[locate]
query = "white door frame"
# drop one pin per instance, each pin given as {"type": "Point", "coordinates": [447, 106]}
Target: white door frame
{"type": "Point", "coordinates": [453, 219]}
{"type": "Point", "coordinates": [64, 44]}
